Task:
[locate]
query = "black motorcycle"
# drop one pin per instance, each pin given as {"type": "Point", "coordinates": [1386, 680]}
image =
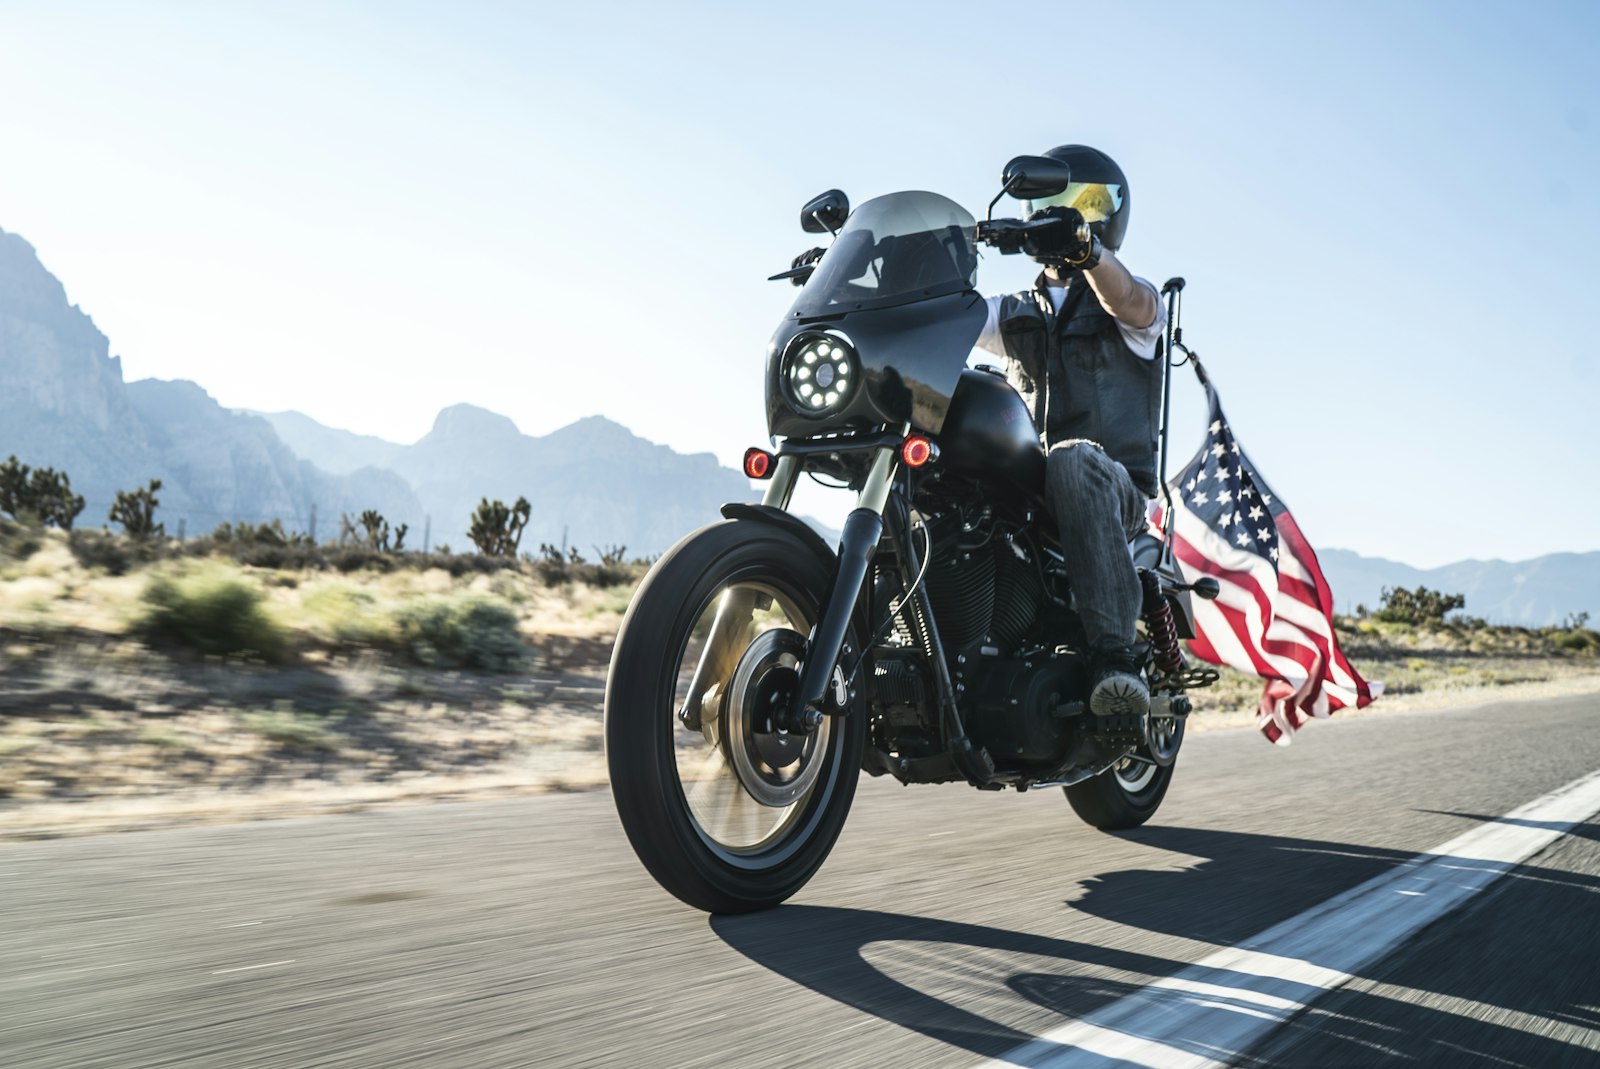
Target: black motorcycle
{"type": "Point", "coordinates": [758, 669]}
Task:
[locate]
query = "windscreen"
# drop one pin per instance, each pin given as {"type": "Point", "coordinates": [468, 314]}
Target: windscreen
{"type": "Point", "coordinates": [893, 250]}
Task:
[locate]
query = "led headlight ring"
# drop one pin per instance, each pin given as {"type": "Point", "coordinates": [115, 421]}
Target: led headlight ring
{"type": "Point", "coordinates": [820, 371]}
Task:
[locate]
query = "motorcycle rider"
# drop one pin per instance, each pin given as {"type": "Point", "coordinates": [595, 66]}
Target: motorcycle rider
{"type": "Point", "coordinates": [1081, 348]}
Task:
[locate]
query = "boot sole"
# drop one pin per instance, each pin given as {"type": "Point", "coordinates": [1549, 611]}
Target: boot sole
{"type": "Point", "coordinates": [1119, 697]}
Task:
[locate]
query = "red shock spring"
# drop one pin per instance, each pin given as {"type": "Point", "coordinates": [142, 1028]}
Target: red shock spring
{"type": "Point", "coordinates": [1163, 631]}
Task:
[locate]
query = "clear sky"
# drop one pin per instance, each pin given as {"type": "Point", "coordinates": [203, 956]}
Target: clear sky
{"type": "Point", "coordinates": [1386, 213]}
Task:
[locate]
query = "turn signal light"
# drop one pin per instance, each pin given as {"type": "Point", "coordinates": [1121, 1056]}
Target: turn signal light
{"type": "Point", "coordinates": [917, 451]}
{"type": "Point", "coordinates": [757, 463]}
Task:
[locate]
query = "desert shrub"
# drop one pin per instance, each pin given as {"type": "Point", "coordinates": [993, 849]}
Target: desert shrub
{"type": "Point", "coordinates": [461, 630]}
{"type": "Point", "coordinates": [270, 533]}
{"type": "Point", "coordinates": [115, 553]}
{"type": "Point", "coordinates": [345, 616]}
{"type": "Point", "coordinates": [1577, 641]}
{"type": "Point", "coordinates": [211, 611]}
{"type": "Point", "coordinates": [292, 730]}
{"type": "Point", "coordinates": [1419, 606]}
{"type": "Point", "coordinates": [17, 542]}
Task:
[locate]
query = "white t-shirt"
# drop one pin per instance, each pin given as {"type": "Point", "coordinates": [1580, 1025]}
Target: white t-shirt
{"type": "Point", "coordinates": [1142, 340]}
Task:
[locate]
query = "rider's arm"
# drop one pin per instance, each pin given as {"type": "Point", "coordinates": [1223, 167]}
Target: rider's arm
{"type": "Point", "coordinates": [1120, 293]}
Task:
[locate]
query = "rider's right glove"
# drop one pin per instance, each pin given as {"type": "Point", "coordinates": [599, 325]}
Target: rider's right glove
{"type": "Point", "coordinates": [1066, 244]}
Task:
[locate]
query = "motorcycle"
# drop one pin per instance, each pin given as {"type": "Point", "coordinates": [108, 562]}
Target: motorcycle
{"type": "Point", "coordinates": [759, 670]}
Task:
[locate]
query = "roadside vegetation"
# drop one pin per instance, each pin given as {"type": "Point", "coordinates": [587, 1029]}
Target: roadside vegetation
{"type": "Point", "coordinates": [136, 668]}
{"type": "Point", "coordinates": [155, 678]}
{"type": "Point", "coordinates": [1425, 649]}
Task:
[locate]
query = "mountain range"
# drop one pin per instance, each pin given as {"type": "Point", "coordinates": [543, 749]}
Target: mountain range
{"type": "Point", "coordinates": [64, 404]}
{"type": "Point", "coordinates": [592, 484]}
{"type": "Point", "coordinates": [1533, 593]}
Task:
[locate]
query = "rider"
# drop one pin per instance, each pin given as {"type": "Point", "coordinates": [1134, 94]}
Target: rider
{"type": "Point", "coordinates": [1081, 348]}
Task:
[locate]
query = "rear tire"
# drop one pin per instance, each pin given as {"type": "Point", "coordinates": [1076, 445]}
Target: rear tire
{"type": "Point", "coordinates": [690, 818]}
{"type": "Point", "coordinates": [1123, 796]}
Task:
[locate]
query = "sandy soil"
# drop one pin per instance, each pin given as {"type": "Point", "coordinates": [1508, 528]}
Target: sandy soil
{"type": "Point", "coordinates": [111, 737]}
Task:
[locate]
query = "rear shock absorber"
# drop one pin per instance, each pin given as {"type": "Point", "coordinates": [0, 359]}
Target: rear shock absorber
{"type": "Point", "coordinates": [1162, 628]}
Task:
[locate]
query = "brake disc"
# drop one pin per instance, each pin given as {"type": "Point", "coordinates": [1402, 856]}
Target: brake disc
{"type": "Point", "coordinates": [775, 766]}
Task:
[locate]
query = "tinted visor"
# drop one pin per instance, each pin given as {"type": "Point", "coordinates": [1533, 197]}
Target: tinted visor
{"type": "Point", "coordinates": [1095, 201]}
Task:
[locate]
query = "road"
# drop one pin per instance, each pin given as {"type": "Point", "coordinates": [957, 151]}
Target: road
{"type": "Point", "coordinates": [950, 927]}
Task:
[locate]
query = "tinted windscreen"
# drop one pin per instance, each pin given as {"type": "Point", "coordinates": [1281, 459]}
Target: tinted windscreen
{"type": "Point", "coordinates": [894, 249]}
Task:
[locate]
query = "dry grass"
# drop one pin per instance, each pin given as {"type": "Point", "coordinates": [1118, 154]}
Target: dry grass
{"type": "Point", "coordinates": [100, 730]}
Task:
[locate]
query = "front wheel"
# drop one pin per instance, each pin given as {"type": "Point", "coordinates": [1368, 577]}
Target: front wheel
{"type": "Point", "coordinates": [726, 807]}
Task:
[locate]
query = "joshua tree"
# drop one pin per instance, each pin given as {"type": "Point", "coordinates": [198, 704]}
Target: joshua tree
{"type": "Point", "coordinates": [136, 511]}
{"type": "Point", "coordinates": [496, 529]}
{"type": "Point", "coordinates": [378, 532]}
{"type": "Point", "coordinates": [1402, 606]}
{"type": "Point", "coordinates": [38, 495]}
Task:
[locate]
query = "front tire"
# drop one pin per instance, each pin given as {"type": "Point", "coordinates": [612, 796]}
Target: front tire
{"type": "Point", "coordinates": [730, 816]}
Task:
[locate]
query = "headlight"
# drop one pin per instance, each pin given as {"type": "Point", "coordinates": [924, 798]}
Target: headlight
{"type": "Point", "coordinates": [819, 373]}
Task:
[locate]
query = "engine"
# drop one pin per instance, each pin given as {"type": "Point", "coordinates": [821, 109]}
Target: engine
{"type": "Point", "coordinates": [999, 627]}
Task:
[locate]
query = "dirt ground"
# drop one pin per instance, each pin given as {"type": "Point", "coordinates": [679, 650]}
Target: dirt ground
{"type": "Point", "coordinates": [103, 735]}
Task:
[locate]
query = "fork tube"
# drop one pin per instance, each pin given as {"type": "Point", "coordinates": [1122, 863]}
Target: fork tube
{"type": "Point", "coordinates": [735, 608]}
{"type": "Point", "coordinates": [784, 475]}
{"type": "Point", "coordinates": [862, 530]}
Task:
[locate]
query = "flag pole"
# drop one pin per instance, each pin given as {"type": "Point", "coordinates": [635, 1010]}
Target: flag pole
{"type": "Point", "coordinates": [1173, 292]}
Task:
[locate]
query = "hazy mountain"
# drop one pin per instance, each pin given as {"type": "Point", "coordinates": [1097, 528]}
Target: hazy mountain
{"type": "Point", "coordinates": [63, 404]}
{"type": "Point", "coordinates": [592, 484]}
{"type": "Point", "coordinates": [340, 452]}
{"type": "Point", "coordinates": [1533, 593]}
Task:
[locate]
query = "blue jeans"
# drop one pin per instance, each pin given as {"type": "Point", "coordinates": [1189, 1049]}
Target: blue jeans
{"type": "Point", "coordinates": [1097, 510]}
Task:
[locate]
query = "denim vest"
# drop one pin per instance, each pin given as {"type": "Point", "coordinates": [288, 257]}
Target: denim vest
{"type": "Point", "coordinates": [1080, 379]}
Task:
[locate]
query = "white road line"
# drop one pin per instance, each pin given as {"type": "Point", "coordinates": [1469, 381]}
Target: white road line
{"type": "Point", "coordinates": [1212, 1012]}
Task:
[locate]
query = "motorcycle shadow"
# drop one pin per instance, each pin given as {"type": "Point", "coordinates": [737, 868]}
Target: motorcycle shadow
{"type": "Point", "coordinates": [960, 983]}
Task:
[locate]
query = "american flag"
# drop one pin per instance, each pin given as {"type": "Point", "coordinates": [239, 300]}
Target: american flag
{"type": "Point", "coordinates": [1273, 617]}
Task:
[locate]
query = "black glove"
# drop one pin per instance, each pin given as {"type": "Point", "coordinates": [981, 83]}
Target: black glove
{"type": "Point", "coordinates": [805, 259]}
{"type": "Point", "coordinates": [1063, 244]}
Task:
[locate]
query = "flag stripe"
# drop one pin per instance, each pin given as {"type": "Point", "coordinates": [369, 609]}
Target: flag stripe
{"type": "Point", "coordinates": [1273, 615]}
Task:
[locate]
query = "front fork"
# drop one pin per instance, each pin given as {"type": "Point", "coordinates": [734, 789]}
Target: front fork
{"type": "Point", "coordinates": [859, 541]}
{"type": "Point", "coordinates": [862, 530]}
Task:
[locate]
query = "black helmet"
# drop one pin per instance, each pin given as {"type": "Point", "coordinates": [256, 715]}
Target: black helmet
{"type": "Point", "coordinates": [1098, 191]}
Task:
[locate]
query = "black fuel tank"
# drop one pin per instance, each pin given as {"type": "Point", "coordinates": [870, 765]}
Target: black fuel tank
{"type": "Point", "coordinates": [989, 433]}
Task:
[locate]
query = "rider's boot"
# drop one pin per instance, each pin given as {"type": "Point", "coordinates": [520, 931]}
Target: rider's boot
{"type": "Point", "coordinates": [1117, 688]}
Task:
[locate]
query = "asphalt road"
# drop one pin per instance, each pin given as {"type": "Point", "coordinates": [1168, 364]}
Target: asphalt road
{"type": "Point", "coordinates": [948, 927]}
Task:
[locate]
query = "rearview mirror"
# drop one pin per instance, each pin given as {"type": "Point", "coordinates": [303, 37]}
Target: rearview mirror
{"type": "Point", "coordinates": [825, 213]}
{"type": "Point", "coordinates": [1035, 177]}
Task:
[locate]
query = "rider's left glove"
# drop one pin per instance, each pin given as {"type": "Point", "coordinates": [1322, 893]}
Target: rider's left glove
{"type": "Point", "coordinates": [810, 256]}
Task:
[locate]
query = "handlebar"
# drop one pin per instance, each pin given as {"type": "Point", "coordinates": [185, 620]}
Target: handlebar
{"type": "Point", "coordinates": [1007, 235]}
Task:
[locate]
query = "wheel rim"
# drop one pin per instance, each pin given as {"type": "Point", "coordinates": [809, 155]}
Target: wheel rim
{"type": "Point", "coordinates": [1163, 736]}
{"type": "Point", "coordinates": [1134, 774]}
{"type": "Point", "coordinates": [749, 790]}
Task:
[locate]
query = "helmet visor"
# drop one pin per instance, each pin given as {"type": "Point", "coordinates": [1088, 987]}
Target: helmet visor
{"type": "Point", "coordinates": [1095, 201]}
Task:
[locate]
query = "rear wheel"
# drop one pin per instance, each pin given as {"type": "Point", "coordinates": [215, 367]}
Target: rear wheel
{"type": "Point", "coordinates": [728, 808]}
{"type": "Point", "coordinates": [1123, 796]}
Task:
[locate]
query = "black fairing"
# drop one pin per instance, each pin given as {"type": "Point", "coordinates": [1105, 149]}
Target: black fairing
{"type": "Point", "coordinates": [912, 358]}
{"type": "Point", "coordinates": [988, 433]}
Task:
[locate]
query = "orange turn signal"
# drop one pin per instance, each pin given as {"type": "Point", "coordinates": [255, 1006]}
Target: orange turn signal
{"type": "Point", "coordinates": [757, 463]}
{"type": "Point", "coordinates": [917, 451]}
